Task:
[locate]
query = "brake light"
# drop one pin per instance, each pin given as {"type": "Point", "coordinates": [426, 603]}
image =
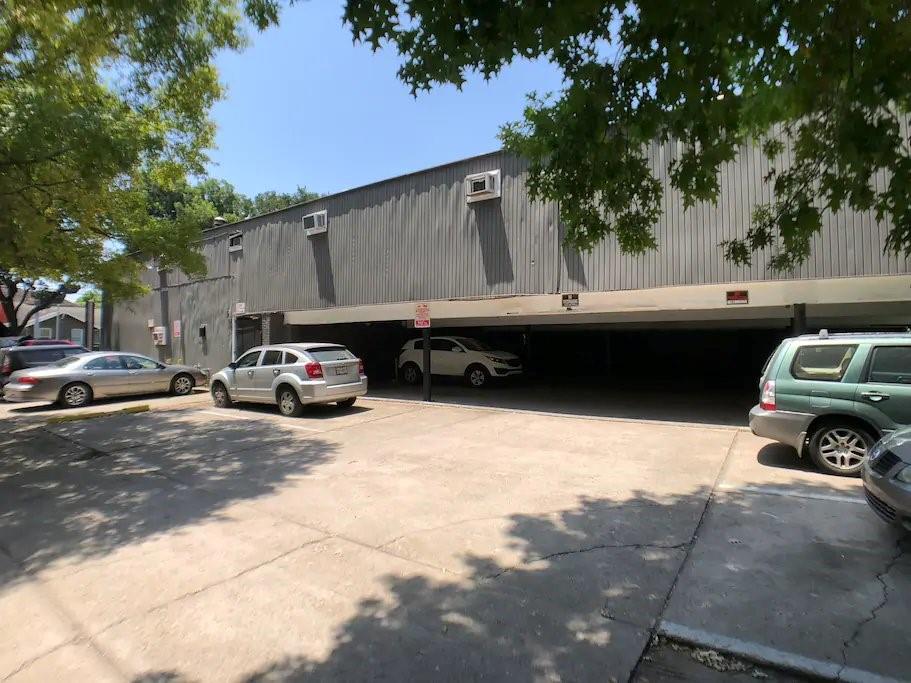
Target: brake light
{"type": "Point", "coordinates": [767, 398]}
{"type": "Point", "coordinates": [27, 380]}
{"type": "Point", "coordinates": [360, 366]}
{"type": "Point", "coordinates": [314, 370]}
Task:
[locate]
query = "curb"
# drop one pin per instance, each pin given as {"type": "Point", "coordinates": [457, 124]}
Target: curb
{"type": "Point", "coordinates": [769, 656]}
{"type": "Point", "coordinates": [57, 419]}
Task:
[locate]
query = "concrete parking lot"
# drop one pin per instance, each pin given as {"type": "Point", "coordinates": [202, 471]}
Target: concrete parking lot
{"type": "Point", "coordinates": [401, 541]}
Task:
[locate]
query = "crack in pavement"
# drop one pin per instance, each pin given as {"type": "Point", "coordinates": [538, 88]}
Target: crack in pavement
{"type": "Point", "coordinates": [881, 578]}
{"type": "Point", "coordinates": [588, 549]}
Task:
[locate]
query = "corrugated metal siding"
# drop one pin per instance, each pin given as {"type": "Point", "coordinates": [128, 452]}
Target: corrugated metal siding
{"type": "Point", "coordinates": [415, 238]}
{"type": "Point", "coordinates": [850, 243]}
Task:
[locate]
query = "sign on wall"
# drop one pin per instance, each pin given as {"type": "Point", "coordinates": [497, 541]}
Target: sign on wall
{"type": "Point", "coordinates": [570, 301]}
{"type": "Point", "coordinates": [422, 316]}
{"type": "Point", "coordinates": [160, 335]}
{"type": "Point", "coordinates": [240, 308]}
{"type": "Point", "coordinates": [738, 297]}
{"type": "Point", "coordinates": [175, 329]}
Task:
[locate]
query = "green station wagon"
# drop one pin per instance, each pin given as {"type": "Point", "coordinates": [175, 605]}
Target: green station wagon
{"type": "Point", "coordinates": [833, 395]}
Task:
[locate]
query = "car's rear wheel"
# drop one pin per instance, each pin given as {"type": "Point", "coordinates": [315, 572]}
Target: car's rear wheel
{"type": "Point", "coordinates": [477, 376]}
{"type": "Point", "coordinates": [75, 395]}
{"type": "Point", "coordinates": [182, 385]}
{"type": "Point", "coordinates": [411, 373]}
{"type": "Point", "coordinates": [839, 448]}
{"type": "Point", "coordinates": [289, 403]}
{"type": "Point", "coordinates": [220, 396]}
{"type": "Point", "coordinates": [347, 403]}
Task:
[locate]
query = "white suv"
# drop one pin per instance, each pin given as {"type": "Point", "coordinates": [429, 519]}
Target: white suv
{"type": "Point", "coordinates": [457, 356]}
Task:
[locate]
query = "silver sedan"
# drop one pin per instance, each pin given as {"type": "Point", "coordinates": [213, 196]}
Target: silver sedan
{"type": "Point", "coordinates": [77, 380]}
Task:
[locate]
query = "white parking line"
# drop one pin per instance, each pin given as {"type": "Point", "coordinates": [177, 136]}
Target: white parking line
{"type": "Point", "coordinates": [238, 416]}
{"type": "Point", "coordinates": [788, 493]}
{"type": "Point", "coordinates": [768, 655]}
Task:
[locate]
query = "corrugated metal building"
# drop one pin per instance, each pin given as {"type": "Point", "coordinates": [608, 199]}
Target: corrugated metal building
{"type": "Point", "coordinates": [499, 264]}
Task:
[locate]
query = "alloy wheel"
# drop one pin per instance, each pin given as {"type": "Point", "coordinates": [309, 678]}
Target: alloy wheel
{"type": "Point", "coordinates": [842, 448]}
{"type": "Point", "coordinates": [183, 385]}
{"type": "Point", "coordinates": [75, 395]}
{"type": "Point", "coordinates": [286, 402]}
{"type": "Point", "coordinates": [477, 377]}
{"type": "Point", "coordinates": [220, 395]}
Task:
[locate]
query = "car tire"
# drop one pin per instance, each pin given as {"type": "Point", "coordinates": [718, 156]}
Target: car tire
{"type": "Point", "coordinates": [347, 403]}
{"type": "Point", "coordinates": [220, 396]}
{"type": "Point", "coordinates": [476, 376]}
{"type": "Point", "coordinates": [182, 384]}
{"type": "Point", "coordinates": [411, 373]}
{"type": "Point", "coordinates": [75, 395]}
{"type": "Point", "coordinates": [840, 448]}
{"type": "Point", "coordinates": [289, 403]}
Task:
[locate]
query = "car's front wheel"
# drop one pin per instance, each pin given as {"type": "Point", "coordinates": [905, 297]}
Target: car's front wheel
{"type": "Point", "coordinates": [477, 376]}
{"type": "Point", "coordinates": [220, 396]}
{"type": "Point", "coordinates": [839, 448]}
{"type": "Point", "coordinates": [182, 385]}
{"type": "Point", "coordinates": [75, 395]}
{"type": "Point", "coordinates": [289, 403]}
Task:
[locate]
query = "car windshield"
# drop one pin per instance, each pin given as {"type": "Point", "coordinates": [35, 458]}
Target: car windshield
{"type": "Point", "coordinates": [64, 362]}
{"type": "Point", "coordinates": [473, 344]}
{"type": "Point", "coordinates": [323, 354]}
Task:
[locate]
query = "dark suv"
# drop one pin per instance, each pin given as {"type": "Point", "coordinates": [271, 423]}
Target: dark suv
{"type": "Point", "coordinates": [21, 357]}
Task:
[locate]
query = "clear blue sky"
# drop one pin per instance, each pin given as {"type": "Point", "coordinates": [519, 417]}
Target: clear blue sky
{"type": "Point", "coordinates": [305, 106]}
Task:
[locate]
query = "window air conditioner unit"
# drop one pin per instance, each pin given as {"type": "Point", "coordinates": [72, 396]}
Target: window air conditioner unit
{"type": "Point", "coordinates": [481, 186]}
{"type": "Point", "coordinates": [316, 223]}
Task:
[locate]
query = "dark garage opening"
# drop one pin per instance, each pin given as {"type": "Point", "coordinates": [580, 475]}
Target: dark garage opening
{"type": "Point", "coordinates": [687, 375]}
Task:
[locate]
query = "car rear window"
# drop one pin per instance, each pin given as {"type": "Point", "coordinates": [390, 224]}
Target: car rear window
{"type": "Point", "coordinates": [823, 363]}
{"type": "Point", "coordinates": [40, 354]}
{"type": "Point", "coordinates": [323, 354]}
{"type": "Point", "coordinates": [891, 365]}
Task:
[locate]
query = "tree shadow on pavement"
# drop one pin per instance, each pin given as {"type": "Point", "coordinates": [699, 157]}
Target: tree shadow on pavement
{"type": "Point", "coordinates": [573, 595]}
{"type": "Point", "coordinates": [84, 489]}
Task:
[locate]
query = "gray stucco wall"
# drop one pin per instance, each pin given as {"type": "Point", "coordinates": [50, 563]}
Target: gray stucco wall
{"type": "Point", "coordinates": [415, 238]}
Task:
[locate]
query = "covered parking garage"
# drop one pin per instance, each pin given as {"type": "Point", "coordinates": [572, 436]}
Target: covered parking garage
{"type": "Point", "coordinates": [677, 334]}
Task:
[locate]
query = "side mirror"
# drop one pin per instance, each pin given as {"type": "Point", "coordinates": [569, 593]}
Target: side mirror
{"type": "Point", "coordinates": [162, 367]}
{"type": "Point", "coordinates": [458, 349]}
{"type": "Point", "coordinates": [233, 365]}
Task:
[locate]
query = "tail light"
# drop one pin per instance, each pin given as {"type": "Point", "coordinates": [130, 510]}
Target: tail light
{"type": "Point", "coordinates": [360, 366]}
{"type": "Point", "coordinates": [767, 398]}
{"type": "Point", "coordinates": [314, 370]}
{"type": "Point", "coordinates": [27, 380]}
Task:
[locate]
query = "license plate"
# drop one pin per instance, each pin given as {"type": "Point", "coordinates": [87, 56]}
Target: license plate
{"type": "Point", "coordinates": [341, 371]}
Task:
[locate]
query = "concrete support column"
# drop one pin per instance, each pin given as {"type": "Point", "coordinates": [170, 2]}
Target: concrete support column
{"type": "Point", "coordinates": [266, 322]}
{"type": "Point", "coordinates": [799, 319]}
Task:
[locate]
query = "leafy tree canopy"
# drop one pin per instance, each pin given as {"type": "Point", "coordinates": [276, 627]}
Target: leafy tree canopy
{"type": "Point", "coordinates": [829, 79]}
{"type": "Point", "coordinates": [100, 102]}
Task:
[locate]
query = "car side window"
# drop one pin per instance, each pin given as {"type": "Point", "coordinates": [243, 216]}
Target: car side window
{"type": "Point", "coordinates": [419, 345]}
{"type": "Point", "coordinates": [271, 357]}
{"type": "Point", "coordinates": [248, 360]}
{"type": "Point", "coordinates": [139, 363]}
{"type": "Point", "coordinates": [890, 365]}
{"type": "Point", "coordinates": [290, 358]}
{"type": "Point", "coordinates": [104, 363]}
{"type": "Point", "coordinates": [441, 345]}
{"type": "Point", "coordinates": [823, 363]}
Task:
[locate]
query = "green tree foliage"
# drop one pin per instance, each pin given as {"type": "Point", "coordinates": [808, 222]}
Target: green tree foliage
{"type": "Point", "coordinates": [268, 201]}
{"type": "Point", "coordinates": [827, 80]}
{"type": "Point", "coordinates": [103, 103]}
{"type": "Point", "coordinates": [89, 295]}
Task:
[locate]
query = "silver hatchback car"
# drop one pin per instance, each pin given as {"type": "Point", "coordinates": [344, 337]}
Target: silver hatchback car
{"type": "Point", "coordinates": [292, 376]}
{"type": "Point", "coordinates": [75, 380]}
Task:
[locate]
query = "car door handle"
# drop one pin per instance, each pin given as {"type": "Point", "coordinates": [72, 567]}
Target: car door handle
{"type": "Point", "coordinates": [276, 372]}
{"type": "Point", "coordinates": [249, 373]}
{"type": "Point", "coordinates": [875, 396]}
{"type": "Point", "coordinates": [132, 372]}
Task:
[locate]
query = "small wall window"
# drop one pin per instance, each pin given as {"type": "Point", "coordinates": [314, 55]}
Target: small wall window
{"type": "Point", "coordinates": [316, 223]}
{"type": "Point", "coordinates": [45, 333]}
{"type": "Point", "coordinates": [826, 363]}
{"type": "Point", "coordinates": [236, 242]}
